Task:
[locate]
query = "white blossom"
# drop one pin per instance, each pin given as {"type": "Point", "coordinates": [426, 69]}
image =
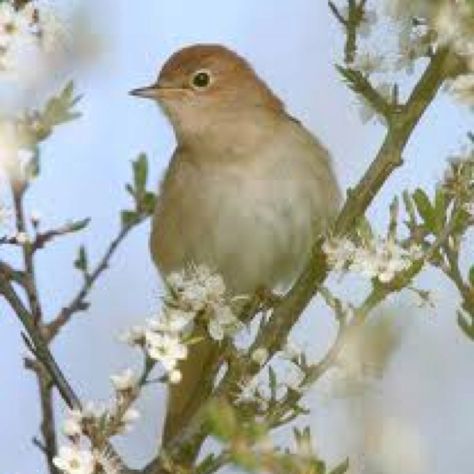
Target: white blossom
{"type": "Point", "coordinates": [463, 88]}
{"type": "Point", "coordinates": [22, 238]}
{"type": "Point", "coordinates": [291, 350]}
{"type": "Point", "coordinates": [368, 21]}
{"type": "Point", "coordinates": [54, 34]}
{"type": "Point", "coordinates": [222, 323]}
{"type": "Point", "coordinates": [72, 427]}
{"type": "Point", "coordinates": [73, 460]}
{"type": "Point", "coordinates": [196, 287]}
{"type": "Point", "coordinates": [128, 418]}
{"type": "Point", "coordinates": [134, 336]}
{"type": "Point", "coordinates": [469, 208]}
{"type": "Point", "coordinates": [173, 320]}
{"type": "Point", "coordinates": [175, 376]}
{"type": "Point", "coordinates": [294, 378]}
{"type": "Point", "coordinates": [412, 45]}
{"type": "Point", "coordinates": [381, 258]}
{"type": "Point", "coordinates": [167, 349]}
{"type": "Point", "coordinates": [15, 25]}
{"type": "Point", "coordinates": [124, 381]}
{"type": "Point", "coordinates": [338, 252]}
{"type": "Point", "coordinates": [368, 63]}
{"type": "Point", "coordinates": [29, 36]}
{"type": "Point", "coordinates": [92, 411]}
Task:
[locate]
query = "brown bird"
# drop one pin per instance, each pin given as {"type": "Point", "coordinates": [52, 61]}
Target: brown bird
{"type": "Point", "coordinates": [247, 192]}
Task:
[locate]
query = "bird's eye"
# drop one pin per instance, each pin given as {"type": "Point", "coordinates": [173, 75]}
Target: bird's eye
{"type": "Point", "coordinates": [201, 79]}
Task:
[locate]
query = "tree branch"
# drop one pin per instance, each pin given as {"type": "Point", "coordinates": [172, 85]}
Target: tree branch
{"type": "Point", "coordinates": [37, 343]}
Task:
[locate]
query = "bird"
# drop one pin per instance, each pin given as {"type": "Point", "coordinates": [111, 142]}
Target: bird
{"type": "Point", "coordinates": [247, 192]}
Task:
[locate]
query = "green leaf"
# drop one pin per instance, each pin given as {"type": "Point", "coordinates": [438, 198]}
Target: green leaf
{"type": "Point", "coordinates": [342, 468]}
{"type": "Point", "coordinates": [59, 109]}
{"type": "Point", "coordinates": [410, 208]}
{"type": "Point", "coordinates": [364, 230]}
{"type": "Point", "coordinates": [425, 209]}
{"type": "Point", "coordinates": [206, 464]}
{"type": "Point", "coordinates": [77, 226]}
{"type": "Point", "coordinates": [129, 218]}
{"type": "Point", "coordinates": [140, 174]}
{"type": "Point", "coordinates": [222, 420]}
{"type": "Point", "coordinates": [440, 209]}
{"type": "Point", "coordinates": [82, 261]}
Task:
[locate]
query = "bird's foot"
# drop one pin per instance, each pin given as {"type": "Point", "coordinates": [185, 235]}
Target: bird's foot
{"type": "Point", "coordinates": [263, 300]}
{"type": "Point", "coordinates": [267, 298]}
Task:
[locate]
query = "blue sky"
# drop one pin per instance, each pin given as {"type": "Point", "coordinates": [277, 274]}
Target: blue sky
{"type": "Point", "coordinates": [294, 46]}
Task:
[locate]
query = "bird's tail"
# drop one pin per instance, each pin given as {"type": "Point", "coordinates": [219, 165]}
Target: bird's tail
{"type": "Point", "coordinates": [186, 397]}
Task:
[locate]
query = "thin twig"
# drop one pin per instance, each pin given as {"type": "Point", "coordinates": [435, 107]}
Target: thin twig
{"type": "Point", "coordinates": [38, 344]}
{"type": "Point", "coordinates": [42, 238]}
{"type": "Point", "coordinates": [18, 192]}
{"type": "Point", "coordinates": [78, 302]}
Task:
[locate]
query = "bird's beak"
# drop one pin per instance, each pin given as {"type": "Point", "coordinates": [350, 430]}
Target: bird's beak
{"type": "Point", "coordinates": [149, 92]}
{"type": "Point", "coordinates": [157, 92]}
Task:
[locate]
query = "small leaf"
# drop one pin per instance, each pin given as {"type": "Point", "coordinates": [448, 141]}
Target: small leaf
{"type": "Point", "coordinates": [407, 199]}
{"type": "Point", "coordinates": [425, 209]}
{"type": "Point", "coordinates": [222, 420]}
{"type": "Point", "coordinates": [364, 230]}
{"type": "Point", "coordinates": [129, 218]}
{"type": "Point", "coordinates": [82, 261]}
{"type": "Point", "coordinates": [440, 209]}
{"type": "Point", "coordinates": [76, 226]}
{"type": "Point", "coordinates": [140, 174]}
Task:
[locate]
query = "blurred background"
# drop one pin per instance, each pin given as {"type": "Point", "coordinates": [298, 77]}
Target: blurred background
{"type": "Point", "coordinates": [414, 415]}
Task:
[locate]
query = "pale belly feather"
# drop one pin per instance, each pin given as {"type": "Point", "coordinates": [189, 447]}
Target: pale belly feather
{"type": "Point", "coordinates": [255, 227]}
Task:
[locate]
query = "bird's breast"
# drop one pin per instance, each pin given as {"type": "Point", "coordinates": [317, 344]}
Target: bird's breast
{"type": "Point", "coordinates": [254, 223]}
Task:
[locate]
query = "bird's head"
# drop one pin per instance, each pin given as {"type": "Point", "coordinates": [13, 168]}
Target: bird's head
{"type": "Point", "coordinates": [201, 84]}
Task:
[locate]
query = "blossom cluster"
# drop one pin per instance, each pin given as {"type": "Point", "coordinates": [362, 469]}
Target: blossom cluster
{"type": "Point", "coordinates": [288, 375]}
{"type": "Point", "coordinates": [430, 25]}
{"type": "Point", "coordinates": [98, 423]}
{"type": "Point", "coordinates": [26, 31]}
{"type": "Point", "coordinates": [422, 28]}
{"type": "Point", "coordinates": [381, 258]}
{"type": "Point", "coordinates": [195, 296]}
